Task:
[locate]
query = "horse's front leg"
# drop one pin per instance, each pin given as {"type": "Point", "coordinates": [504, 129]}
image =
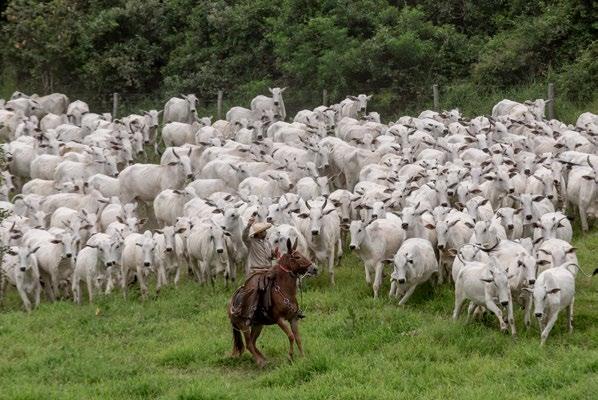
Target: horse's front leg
{"type": "Point", "coordinates": [295, 329]}
{"type": "Point", "coordinates": [286, 329]}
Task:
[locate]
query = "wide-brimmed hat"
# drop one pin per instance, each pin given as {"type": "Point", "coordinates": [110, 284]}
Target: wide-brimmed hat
{"type": "Point", "coordinates": [259, 227]}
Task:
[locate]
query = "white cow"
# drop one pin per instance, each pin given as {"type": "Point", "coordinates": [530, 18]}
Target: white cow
{"type": "Point", "coordinates": [181, 110]}
{"type": "Point", "coordinates": [138, 257]}
{"type": "Point", "coordinates": [484, 285]}
{"type": "Point", "coordinates": [375, 243]}
{"type": "Point", "coordinates": [20, 269]}
{"type": "Point", "coordinates": [321, 229]}
{"type": "Point", "coordinates": [414, 263]}
{"type": "Point", "coordinates": [554, 291]}
{"type": "Point", "coordinates": [146, 181]}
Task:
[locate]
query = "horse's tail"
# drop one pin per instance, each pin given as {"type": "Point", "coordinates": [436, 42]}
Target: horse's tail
{"type": "Point", "coordinates": [238, 345]}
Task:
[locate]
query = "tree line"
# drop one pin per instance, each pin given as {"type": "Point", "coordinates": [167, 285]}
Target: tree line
{"type": "Point", "coordinates": [394, 49]}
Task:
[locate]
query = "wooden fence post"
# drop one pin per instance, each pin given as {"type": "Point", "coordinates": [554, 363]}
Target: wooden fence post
{"type": "Point", "coordinates": [324, 97]}
{"type": "Point", "coordinates": [114, 105]}
{"type": "Point", "coordinates": [436, 97]}
{"type": "Point", "coordinates": [219, 112]}
{"type": "Point", "coordinates": [551, 101]}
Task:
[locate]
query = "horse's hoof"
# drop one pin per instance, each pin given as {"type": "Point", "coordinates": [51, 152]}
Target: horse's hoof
{"type": "Point", "coordinates": [261, 363]}
{"type": "Point", "coordinates": [236, 354]}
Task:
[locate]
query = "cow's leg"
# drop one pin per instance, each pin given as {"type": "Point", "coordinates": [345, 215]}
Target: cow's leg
{"type": "Point", "coordinates": [368, 277]}
{"type": "Point", "coordinates": [37, 293]}
{"type": "Point", "coordinates": [24, 298]}
{"type": "Point", "coordinates": [142, 285]}
{"type": "Point", "coordinates": [570, 315]}
{"type": "Point", "coordinates": [459, 299]}
{"type": "Point", "coordinates": [331, 267]}
{"type": "Point", "coordinates": [295, 329]}
{"type": "Point", "coordinates": [89, 282]}
{"type": "Point", "coordinates": [287, 329]}
{"type": "Point", "coordinates": [177, 275]}
{"type": "Point", "coordinates": [393, 289]}
{"type": "Point", "coordinates": [440, 269]}
{"type": "Point", "coordinates": [378, 278]}
{"type": "Point", "coordinates": [470, 310]}
{"type": "Point", "coordinates": [123, 280]}
{"type": "Point", "coordinates": [527, 316]}
{"type": "Point", "coordinates": [510, 316]}
{"type": "Point", "coordinates": [407, 294]}
{"type": "Point", "coordinates": [55, 281]}
{"type": "Point", "coordinates": [546, 331]}
{"type": "Point", "coordinates": [494, 308]}
{"type": "Point", "coordinates": [583, 217]}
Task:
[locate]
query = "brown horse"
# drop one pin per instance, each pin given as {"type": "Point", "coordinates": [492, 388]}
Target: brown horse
{"type": "Point", "coordinates": [268, 298]}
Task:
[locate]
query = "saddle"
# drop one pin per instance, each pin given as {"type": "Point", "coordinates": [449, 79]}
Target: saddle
{"type": "Point", "coordinates": [251, 303]}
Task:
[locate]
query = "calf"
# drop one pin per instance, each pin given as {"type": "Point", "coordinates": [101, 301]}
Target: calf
{"type": "Point", "coordinates": [321, 229]}
{"type": "Point", "coordinates": [20, 270]}
{"type": "Point", "coordinates": [137, 256]}
{"type": "Point", "coordinates": [414, 263]}
{"type": "Point", "coordinates": [375, 242]}
{"type": "Point", "coordinates": [206, 246]}
{"type": "Point", "coordinates": [554, 291]}
{"type": "Point", "coordinates": [169, 251]}
{"type": "Point", "coordinates": [484, 284]}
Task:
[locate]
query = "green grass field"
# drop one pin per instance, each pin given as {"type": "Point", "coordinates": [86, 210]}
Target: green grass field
{"type": "Point", "coordinates": [177, 346]}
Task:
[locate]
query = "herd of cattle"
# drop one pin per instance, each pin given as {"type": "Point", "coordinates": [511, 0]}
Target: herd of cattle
{"type": "Point", "coordinates": [478, 202]}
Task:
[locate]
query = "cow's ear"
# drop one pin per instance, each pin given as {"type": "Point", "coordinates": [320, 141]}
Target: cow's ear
{"type": "Point", "coordinates": [55, 241]}
{"type": "Point", "coordinates": [543, 262]}
{"type": "Point", "coordinates": [587, 177]}
{"type": "Point", "coordinates": [469, 224]}
{"type": "Point", "coordinates": [553, 291]}
{"type": "Point", "coordinates": [518, 211]}
{"type": "Point", "coordinates": [181, 230]}
{"type": "Point", "coordinates": [538, 198]}
{"type": "Point", "coordinates": [303, 215]}
{"type": "Point", "coordinates": [172, 163]}
{"type": "Point", "coordinates": [571, 250]}
{"type": "Point", "coordinates": [483, 202]}
{"type": "Point", "coordinates": [487, 280]}
{"type": "Point", "coordinates": [11, 252]}
{"type": "Point", "coordinates": [430, 226]}
{"type": "Point", "coordinates": [226, 233]}
{"type": "Point", "coordinates": [142, 221]}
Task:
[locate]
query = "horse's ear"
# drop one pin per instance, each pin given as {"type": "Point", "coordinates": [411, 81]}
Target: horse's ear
{"type": "Point", "coordinates": [289, 246]}
{"type": "Point", "coordinates": [295, 244]}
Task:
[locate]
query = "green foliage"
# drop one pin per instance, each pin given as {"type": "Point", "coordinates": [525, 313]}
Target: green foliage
{"type": "Point", "coordinates": [394, 50]}
{"type": "Point", "coordinates": [578, 81]}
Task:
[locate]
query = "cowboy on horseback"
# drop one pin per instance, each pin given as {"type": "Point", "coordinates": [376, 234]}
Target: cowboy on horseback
{"type": "Point", "coordinates": [268, 297]}
{"type": "Point", "coordinates": [260, 252]}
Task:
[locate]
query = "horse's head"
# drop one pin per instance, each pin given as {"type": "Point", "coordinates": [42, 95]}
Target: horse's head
{"type": "Point", "coordinates": [295, 262]}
